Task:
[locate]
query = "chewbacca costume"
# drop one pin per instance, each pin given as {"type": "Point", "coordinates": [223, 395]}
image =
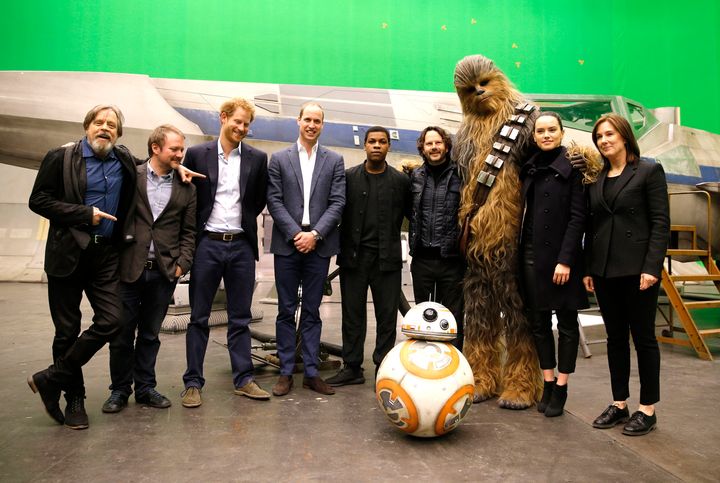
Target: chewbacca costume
{"type": "Point", "coordinates": [495, 137]}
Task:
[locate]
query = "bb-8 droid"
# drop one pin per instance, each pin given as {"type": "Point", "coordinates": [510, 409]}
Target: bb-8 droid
{"type": "Point", "coordinates": [424, 384]}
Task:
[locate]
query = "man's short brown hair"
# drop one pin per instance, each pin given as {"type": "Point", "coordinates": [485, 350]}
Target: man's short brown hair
{"type": "Point", "coordinates": [159, 135]}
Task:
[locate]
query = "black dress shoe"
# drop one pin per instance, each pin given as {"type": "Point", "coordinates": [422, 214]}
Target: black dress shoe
{"type": "Point", "coordinates": [153, 399]}
{"type": "Point", "coordinates": [639, 424]}
{"type": "Point", "coordinates": [346, 376]}
{"type": "Point", "coordinates": [115, 403]}
{"type": "Point", "coordinates": [75, 415]}
{"type": "Point", "coordinates": [611, 417]}
{"type": "Point", "coordinates": [49, 393]}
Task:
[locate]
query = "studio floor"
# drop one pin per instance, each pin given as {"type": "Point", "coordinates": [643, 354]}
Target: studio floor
{"type": "Point", "coordinates": [345, 437]}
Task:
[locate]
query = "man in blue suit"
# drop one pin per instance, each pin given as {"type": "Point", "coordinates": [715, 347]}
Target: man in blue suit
{"type": "Point", "coordinates": [229, 201]}
{"type": "Point", "coordinates": [305, 197]}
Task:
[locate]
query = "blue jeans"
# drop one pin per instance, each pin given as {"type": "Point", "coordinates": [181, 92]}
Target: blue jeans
{"type": "Point", "coordinates": [145, 304]}
{"type": "Point", "coordinates": [233, 262]}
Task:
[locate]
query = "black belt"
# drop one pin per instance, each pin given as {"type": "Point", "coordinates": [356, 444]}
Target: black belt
{"type": "Point", "coordinates": [99, 240]}
{"type": "Point", "coordinates": [226, 237]}
{"type": "Point", "coordinates": [306, 228]}
{"type": "Point", "coordinates": [151, 265]}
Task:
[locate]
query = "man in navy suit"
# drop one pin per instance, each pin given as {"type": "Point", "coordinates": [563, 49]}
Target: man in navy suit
{"type": "Point", "coordinates": [305, 197]}
{"type": "Point", "coordinates": [229, 201]}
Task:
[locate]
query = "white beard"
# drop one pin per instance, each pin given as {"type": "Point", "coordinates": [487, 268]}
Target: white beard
{"type": "Point", "coordinates": [101, 150]}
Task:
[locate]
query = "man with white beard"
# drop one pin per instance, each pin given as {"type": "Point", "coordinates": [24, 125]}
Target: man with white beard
{"type": "Point", "coordinates": [87, 191]}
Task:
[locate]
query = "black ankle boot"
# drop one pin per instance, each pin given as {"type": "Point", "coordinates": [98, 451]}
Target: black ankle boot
{"type": "Point", "coordinates": [75, 415]}
{"type": "Point", "coordinates": [557, 401]}
{"type": "Point", "coordinates": [547, 392]}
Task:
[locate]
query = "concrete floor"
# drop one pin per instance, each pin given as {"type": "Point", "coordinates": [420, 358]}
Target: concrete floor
{"type": "Point", "coordinates": [345, 437]}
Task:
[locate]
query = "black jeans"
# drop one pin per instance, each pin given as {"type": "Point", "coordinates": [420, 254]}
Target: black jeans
{"type": "Point", "coordinates": [625, 308]}
{"type": "Point", "coordinates": [441, 280]}
{"type": "Point", "coordinates": [385, 287]}
{"type": "Point", "coordinates": [541, 323]}
{"type": "Point", "coordinates": [145, 303]}
{"type": "Point", "coordinates": [568, 338]}
{"type": "Point", "coordinates": [97, 276]}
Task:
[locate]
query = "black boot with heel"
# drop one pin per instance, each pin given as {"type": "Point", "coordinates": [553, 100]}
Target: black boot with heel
{"type": "Point", "coordinates": [557, 401]}
{"type": "Point", "coordinates": [547, 393]}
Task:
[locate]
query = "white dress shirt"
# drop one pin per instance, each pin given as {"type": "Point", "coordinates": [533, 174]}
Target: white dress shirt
{"type": "Point", "coordinates": [226, 213]}
{"type": "Point", "coordinates": [307, 165]}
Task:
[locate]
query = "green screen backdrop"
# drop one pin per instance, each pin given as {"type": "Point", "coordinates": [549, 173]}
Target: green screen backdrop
{"type": "Point", "coordinates": [657, 52]}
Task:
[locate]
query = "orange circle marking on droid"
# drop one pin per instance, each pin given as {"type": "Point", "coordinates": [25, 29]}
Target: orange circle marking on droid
{"type": "Point", "coordinates": [398, 394]}
{"type": "Point", "coordinates": [448, 410]}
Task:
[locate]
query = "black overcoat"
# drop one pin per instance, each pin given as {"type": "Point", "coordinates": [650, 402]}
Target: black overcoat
{"type": "Point", "coordinates": [559, 216]}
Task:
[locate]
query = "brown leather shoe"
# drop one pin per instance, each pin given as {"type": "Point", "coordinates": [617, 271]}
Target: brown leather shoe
{"type": "Point", "coordinates": [318, 385]}
{"type": "Point", "coordinates": [283, 386]}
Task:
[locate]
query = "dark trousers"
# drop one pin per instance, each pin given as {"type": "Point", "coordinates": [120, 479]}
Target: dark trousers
{"type": "Point", "coordinates": [541, 323]}
{"type": "Point", "coordinates": [310, 270]}
{"type": "Point", "coordinates": [568, 338]}
{"type": "Point", "coordinates": [385, 287]}
{"type": "Point", "coordinates": [441, 281]}
{"type": "Point", "coordinates": [234, 263]}
{"type": "Point", "coordinates": [145, 304]}
{"type": "Point", "coordinates": [97, 276]}
{"type": "Point", "coordinates": [625, 308]}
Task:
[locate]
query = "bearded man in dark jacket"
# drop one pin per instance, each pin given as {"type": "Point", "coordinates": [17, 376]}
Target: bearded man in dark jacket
{"type": "Point", "coordinates": [437, 266]}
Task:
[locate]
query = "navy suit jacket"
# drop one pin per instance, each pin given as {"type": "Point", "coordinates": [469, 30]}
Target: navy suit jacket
{"type": "Point", "coordinates": [629, 234]}
{"type": "Point", "coordinates": [285, 199]}
{"type": "Point", "coordinates": [203, 158]}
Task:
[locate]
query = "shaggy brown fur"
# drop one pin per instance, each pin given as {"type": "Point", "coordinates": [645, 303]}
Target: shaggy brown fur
{"type": "Point", "coordinates": [493, 307]}
{"type": "Point", "coordinates": [593, 161]}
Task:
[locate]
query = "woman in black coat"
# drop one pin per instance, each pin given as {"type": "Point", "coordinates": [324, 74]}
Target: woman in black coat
{"type": "Point", "coordinates": [628, 232]}
{"type": "Point", "coordinates": [551, 248]}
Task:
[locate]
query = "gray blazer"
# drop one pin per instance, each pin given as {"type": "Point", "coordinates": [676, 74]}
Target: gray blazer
{"type": "Point", "coordinates": [173, 232]}
{"type": "Point", "coordinates": [285, 199]}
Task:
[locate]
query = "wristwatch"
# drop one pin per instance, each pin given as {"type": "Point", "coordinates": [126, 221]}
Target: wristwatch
{"type": "Point", "coordinates": [316, 235]}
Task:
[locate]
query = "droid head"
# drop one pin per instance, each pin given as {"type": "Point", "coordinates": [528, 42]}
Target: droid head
{"type": "Point", "coordinates": [429, 321]}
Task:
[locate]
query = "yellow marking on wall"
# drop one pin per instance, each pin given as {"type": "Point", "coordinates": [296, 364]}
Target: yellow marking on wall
{"type": "Point", "coordinates": [581, 61]}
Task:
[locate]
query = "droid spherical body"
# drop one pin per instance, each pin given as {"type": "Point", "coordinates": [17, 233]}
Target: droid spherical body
{"type": "Point", "coordinates": [424, 384]}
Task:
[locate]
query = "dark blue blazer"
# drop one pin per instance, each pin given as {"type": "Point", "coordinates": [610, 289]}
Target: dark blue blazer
{"type": "Point", "coordinates": [203, 158]}
{"type": "Point", "coordinates": [285, 199]}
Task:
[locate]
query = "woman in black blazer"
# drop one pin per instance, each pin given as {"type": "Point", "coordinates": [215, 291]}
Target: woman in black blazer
{"type": "Point", "coordinates": [626, 241]}
{"type": "Point", "coordinates": [551, 248]}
